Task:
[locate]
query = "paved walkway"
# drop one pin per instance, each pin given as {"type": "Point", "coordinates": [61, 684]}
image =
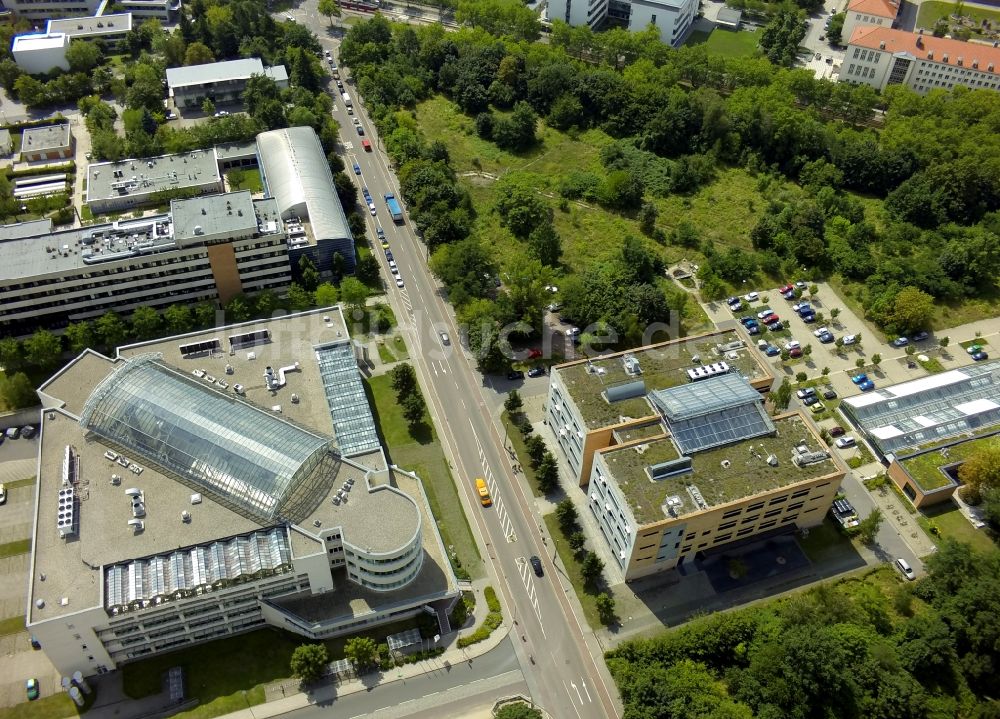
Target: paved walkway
{"type": "Point", "coordinates": [287, 695]}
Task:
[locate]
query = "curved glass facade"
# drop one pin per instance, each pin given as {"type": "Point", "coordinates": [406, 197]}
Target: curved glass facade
{"type": "Point", "coordinates": [241, 455]}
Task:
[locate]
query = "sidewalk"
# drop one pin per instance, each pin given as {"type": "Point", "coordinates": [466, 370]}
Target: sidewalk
{"type": "Point", "coordinates": [287, 695]}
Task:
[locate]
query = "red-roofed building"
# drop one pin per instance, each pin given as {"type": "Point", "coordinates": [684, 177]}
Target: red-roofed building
{"type": "Point", "coordinates": [881, 56]}
{"type": "Point", "coordinates": [880, 13]}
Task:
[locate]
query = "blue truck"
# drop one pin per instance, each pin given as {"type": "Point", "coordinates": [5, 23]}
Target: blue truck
{"type": "Point", "coordinates": [394, 209]}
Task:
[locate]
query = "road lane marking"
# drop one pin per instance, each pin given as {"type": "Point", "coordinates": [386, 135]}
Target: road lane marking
{"type": "Point", "coordinates": [583, 683]}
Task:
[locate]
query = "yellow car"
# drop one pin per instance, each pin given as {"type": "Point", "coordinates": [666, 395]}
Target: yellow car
{"type": "Point", "coordinates": [385, 245]}
{"type": "Point", "coordinates": [484, 493]}
{"type": "Point", "coordinates": [817, 408]}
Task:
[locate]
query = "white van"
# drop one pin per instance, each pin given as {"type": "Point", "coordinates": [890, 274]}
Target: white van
{"type": "Point", "coordinates": [903, 566]}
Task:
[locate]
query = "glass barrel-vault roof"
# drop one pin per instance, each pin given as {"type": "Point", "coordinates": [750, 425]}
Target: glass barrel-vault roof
{"type": "Point", "coordinates": [241, 455]}
{"type": "Point", "coordinates": [353, 424]}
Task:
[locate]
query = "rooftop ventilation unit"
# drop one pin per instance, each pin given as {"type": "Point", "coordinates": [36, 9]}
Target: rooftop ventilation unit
{"type": "Point", "coordinates": [631, 364]}
{"type": "Point", "coordinates": [185, 516]}
{"type": "Point", "coordinates": [772, 459]}
{"type": "Point", "coordinates": [696, 496]}
{"type": "Point", "coordinates": [66, 515]}
{"type": "Point", "coordinates": [133, 493]}
{"type": "Point", "coordinates": [196, 498]}
{"type": "Point", "coordinates": [696, 374]}
{"type": "Point", "coordinates": [804, 460]}
{"type": "Point", "coordinates": [137, 525]}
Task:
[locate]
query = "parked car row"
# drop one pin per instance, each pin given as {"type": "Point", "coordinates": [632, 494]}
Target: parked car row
{"type": "Point", "coordinates": [28, 432]}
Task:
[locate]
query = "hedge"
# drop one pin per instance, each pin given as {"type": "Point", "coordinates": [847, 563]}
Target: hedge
{"type": "Point", "coordinates": [493, 620]}
{"type": "Point", "coordinates": [491, 599]}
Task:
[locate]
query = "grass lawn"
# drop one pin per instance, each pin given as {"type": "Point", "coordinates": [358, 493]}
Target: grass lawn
{"type": "Point", "coordinates": [245, 180]}
{"type": "Point", "coordinates": [726, 42]}
{"type": "Point", "coordinates": [517, 439]}
{"type": "Point", "coordinates": [933, 10]}
{"type": "Point", "coordinates": [825, 542]}
{"type": "Point", "coordinates": [569, 561]}
{"type": "Point", "coordinates": [969, 343]}
{"type": "Point", "coordinates": [11, 625]}
{"type": "Point", "coordinates": [392, 349]}
{"type": "Point", "coordinates": [10, 549]}
{"type": "Point", "coordinates": [420, 452]}
{"type": "Point", "coordinates": [950, 522]}
{"type": "Point", "coordinates": [57, 706]}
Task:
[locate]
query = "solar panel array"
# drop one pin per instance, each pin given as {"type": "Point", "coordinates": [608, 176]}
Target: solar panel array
{"type": "Point", "coordinates": [712, 412]}
{"type": "Point", "coordinates": [188, 569]}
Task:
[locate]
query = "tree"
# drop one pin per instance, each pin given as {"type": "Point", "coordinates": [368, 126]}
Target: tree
{"type": "Point", "coordinates": [265, 303]}
{"type": "Point", "coordinates": [330, 8]}
{"type": "Point", "coordinates": [146, 323]}
{"type": "Point", "coordinates": [606, 608]}
{"type": "Point", "coordinates": [834, 313]}
{"type": "Point", "coordinates": [404, 380]}
{"type": "Point", "coordinates": [801, 376]}
{"type": "Point", "coordinates": [545, 244]}
{"type": "Point", "coordinates": [353, 294]}
{"type": "Point", "coordinates": [780, 38]}
{"type": "Point", "coordinates": [110, 330]}
{"type": "Point", "coordinates": [591, 568]}
{"type": "Point", "coordinates": [18, 391]}
{"type": "Point", "coordinates": [326, 295]}
{"type": "Point", "coordinates": [807, 350]}
{"type": "Point", "coordinates": [413, 408]}
{"type": "Point", "coordinates": [309, 661]}
{"type": "Point", "coordinates": [577, 540]}
{"type": "Point", "coordinates": [178, 318]}
{"type": "Point", "coordinates": [83, 56]}
{"type": "Point", "coordinates": [912, 310]}
{"type": "Point", "coordinates": [519, 206]}
{"type": "Point", "coordinates": [513, 403]}
{"type": "Point", "coordinates": [547, 473]}
{"type": "Point", "coordinates": [298, 297]}
{"type": "Point", "coordinates": [826, 371]}
{"type": "Point", "coordinates": [535, 447]}
{"type": "Point", "coordinates": [868, 527]}
{"type": "Point", "coordinates": [783, 395]}
{"type": "Point", "coordinates": [981, 470]}
{"type": "Point", "coordinates": [79, 336]}
{"type": "Point", "coordinates": [308, 274]}
{"type": "Point", "coordinates": [207, 106]}
{"type": "Point", "coordinates": [238, 309]}
{"type": "Point", "coordinates": [11, 353]}
{"type": "Point", "coordinates": [362, 652]}
{"type": "Point", "coordinates": [836, 29]}
{"type": "Point", "coordinates": [876, 359]}
{"type": "Point", "coordinates": [944, 342]}
{"type": "Point", "coordinates": [566, 516]}
{"type": "Point", "coordinates": [43, 350]}
{"type": "Point", "coordinates": [366, 269]}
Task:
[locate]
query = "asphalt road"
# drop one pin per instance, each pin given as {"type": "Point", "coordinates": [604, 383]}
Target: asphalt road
{"type": "Point", "coordinates": [550, 641]}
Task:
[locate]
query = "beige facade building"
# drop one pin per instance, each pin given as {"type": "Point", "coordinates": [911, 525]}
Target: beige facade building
{"type": "Point", "coordinates": [881, 56]}
{"type": "Point", "coordinates": [880, 13]}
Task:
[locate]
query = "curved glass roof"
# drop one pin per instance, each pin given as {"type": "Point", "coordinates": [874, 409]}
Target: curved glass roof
{"type": "Point", "coordinates": [241, 455]}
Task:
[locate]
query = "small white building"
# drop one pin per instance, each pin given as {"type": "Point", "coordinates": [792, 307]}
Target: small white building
{"type": "Point", "coordinates": [673, 18]}
{"type": "Point", "coordinates": [579, 12]}
{"type": "Point", "coordinates": [39, 53]}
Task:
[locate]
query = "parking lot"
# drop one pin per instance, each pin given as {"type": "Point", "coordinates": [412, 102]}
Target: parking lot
{"type": "Point", "coordinates": [18, 661]}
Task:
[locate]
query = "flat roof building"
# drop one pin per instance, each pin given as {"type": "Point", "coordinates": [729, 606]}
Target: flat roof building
{"type": "Point", "coordinates": [48, 142]}
{"type": "Point", "coordinates": [126, 184]}
{"type": "Point", "coordinates": [39, 11]}
{"type": "Point", "coordinates": [880, 56]}
{"type": "Point", "coordinates": [592, 402]}
{"type": "Point", "coordinates": [906, 423]}
{"type": "Point", "coordinates": [719, 471]}
{"type": "Point", "coordinates": [220, 82]}
{"type": "Point", "coordinates": [111, 28]}
{"type": "Point", "coordinates": [39, 53]}
{"type": "Point", "coordinates": [206, 248]}
{"type": "Point", "coordinates": [199, 486]}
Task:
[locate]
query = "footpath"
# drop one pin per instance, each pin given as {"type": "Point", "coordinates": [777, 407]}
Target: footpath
{"type": "Point", "coordinates": [289, 695]}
